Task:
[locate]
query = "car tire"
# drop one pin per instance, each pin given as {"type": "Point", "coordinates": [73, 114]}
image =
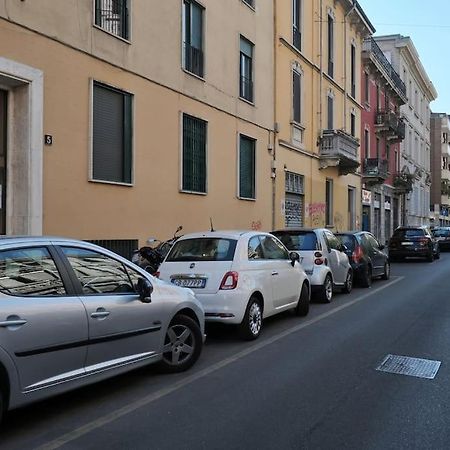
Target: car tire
{"type": "Point", "coordinates": [250, 327]}
{"type": "Point", "coordinates": [366, 279]}
{"type": "Point", "coordinates": [182, 345]}
{"type": "Point", "coordinates": [438, 254]}
{"type": "Point", "coordinates": [348, 282]}
{"type": "Point", "coordinates": [430, 257]}
{"type": "Point", "coordinates": [302, 307]}
{"type": "Point", "coordinates": [326, 290]}
{"type": "Point", "coordinates": [387, 271]}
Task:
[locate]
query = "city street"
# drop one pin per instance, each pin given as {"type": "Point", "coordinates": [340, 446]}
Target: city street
{"type": "Point", "coordinates": [306, 383]}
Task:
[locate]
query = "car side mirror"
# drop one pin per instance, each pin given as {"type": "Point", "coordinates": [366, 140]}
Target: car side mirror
{"type": "Point", "coordinates": [294, 257]}
{"type": "Point", "coordinates": [144, 288]}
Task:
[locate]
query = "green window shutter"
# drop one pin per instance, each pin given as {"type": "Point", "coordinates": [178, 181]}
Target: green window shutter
{"type": "Point", "coordinates": [112, 130]}
{"type": "Point", "coordinates": [194, 154]}
{"type": "Point", "coordinates": [247, 168]}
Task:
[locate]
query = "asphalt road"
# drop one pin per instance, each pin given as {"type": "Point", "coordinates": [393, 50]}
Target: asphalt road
{"type": "Point", "coordinates": [306, 383]}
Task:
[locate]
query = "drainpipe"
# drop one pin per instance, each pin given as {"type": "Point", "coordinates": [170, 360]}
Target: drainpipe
{"type": "Point", "coordinates": [273, 173]}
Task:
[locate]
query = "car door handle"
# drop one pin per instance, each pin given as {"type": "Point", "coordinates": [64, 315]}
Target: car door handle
{"type": "Point", "coordinates": [274, 272]}
{"type": "Point", "coordinates": [13, 323]}
{"type": "Point", "coordinates": [100, 314]}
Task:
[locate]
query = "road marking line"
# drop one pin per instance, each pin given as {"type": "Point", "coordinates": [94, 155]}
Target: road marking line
{"type": "Point", "coordinates": [81, 431]}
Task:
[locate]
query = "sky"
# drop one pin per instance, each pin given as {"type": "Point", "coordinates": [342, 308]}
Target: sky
{"type": "Point", "coordinates": [428, 25]}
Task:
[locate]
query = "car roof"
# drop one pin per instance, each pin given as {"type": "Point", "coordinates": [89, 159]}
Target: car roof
{"type": "Point", "coordinates": [227, 234]}
{"type": "Point", "coordinates": [24, 239]}
{"type": "Point", "coordinates": [293, 230]}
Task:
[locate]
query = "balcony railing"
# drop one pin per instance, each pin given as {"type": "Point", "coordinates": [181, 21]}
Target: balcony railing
{"type": "Point", "coordinates": [246, 88]}
{"type": "Point", "coordinates": [338, 148]}
{"type": "Point", "coordinates": [403, 182]}
{"type": "Point", "coordinates": [112, 16]}
{"type": "Point", "coordinates": [193, 59]}
{"type": "Point", "coordinates": [375, 170]}
{"type": "Point", "coordinates": [391, 124]}
{"type": "Point", "coordinates": [373, 50]}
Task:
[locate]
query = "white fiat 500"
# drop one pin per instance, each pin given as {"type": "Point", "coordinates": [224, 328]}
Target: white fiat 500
{"type": "Point", "coordinates": [240, 277]}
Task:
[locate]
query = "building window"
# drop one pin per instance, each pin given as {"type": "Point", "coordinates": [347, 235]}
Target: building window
{"type": "Point", "coordinates": [366, 88]}
{"type": "Point", "coordinates": [378, 148]}
{"type": "Point", "coordinates": [247, 167]}
{"type": "Point", "coordinates": [112, 134]}
{"type": "Point", "coordinates": [250, 3]}
{"type": "Point", "coordinates": [330, 46]}
{"type": "Point", "coordinates": [330, 110]}
{"type": "Point", "coordinates": [296, 24]}
{"type": "Point", "coordinates": [112, 16]}
{"type": "Point", "coordinates": [353, 124]}
{"type": "Point", "coordinates": [366, 144]}
{"type": "Point", "coordinates": [296, 96]}
{"type": "Point", "coordinates": [353, 70]}
{"type": "Point", "coordinates": [193, 37]}
{"type": "Point", "coordinates": [194, 154]}
{"type": "Point", "coordinates": [329, 202]}
{"type": "Point", "coordinates": [246, 70]}
{"type": "Point", "coordinates": [378, 97]}
{"type": "Point", "coordinates": [294, 204]}
{"type": "Point", "coordinates": [351, 208]}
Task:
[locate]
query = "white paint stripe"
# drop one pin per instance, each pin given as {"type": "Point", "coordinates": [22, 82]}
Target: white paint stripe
{"type": "Point", "coordinates": [81, 431]}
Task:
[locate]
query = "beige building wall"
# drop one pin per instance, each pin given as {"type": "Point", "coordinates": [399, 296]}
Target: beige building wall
{"type": "Point", "coordinates": [59, 40]}
{"type": "Point", "coordinates": [298, 149]}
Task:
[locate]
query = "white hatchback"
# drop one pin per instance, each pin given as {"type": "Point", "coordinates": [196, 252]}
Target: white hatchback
{"type": "Point", "coordinates": [240, 277]}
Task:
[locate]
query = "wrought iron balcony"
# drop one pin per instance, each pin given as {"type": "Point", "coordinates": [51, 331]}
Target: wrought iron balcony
{"type": "Point", "coordinates": [389, 123]}
{"type": "Point", "coordinates": [403, 182]}
{"type": "Point", "coordinates": [372, 52]}
{"type": "Point", "coordinates": [193, 59]}
{"type": "Point", "coordinates": [338, 148]}
{"type": "Point", "coordinates": [375, 170]}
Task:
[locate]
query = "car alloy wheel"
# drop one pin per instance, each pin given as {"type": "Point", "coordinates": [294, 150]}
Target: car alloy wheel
{"type": "Point", "coordinates": [326, 293]}
{"type": "Point", "coordinates": [348, 282]}
{"type": "Point", "coordinates": [252, 323]}
{"type": "Point", "coordinates": [387, 271]}
{"type": "Point", "coordinates": [182, 344]}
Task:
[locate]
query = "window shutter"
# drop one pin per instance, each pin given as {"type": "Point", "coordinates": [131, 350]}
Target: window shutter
{"type": "Point", "coordinates": [246, 168]}
{"type": "Point", "coordinates": [194, 154]}
{"type": "Point", "coordinates": [296, 93]}
{"type": "Point", "coordinates": [111, 135]}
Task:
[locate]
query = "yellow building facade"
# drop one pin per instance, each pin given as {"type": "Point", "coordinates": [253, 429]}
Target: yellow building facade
{"type": "Point", "coordinates": [317, 113]}
{"type": "Point", "coordinates": [124, 119]}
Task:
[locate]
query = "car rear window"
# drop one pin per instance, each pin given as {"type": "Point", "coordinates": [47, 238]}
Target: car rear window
{"type": "Point", "coordinates": [297, 241]}
{"type": "Point", "coordinates": [347, 240]}
{"type": "Point", "coordinates": [203, 249]}
{"type": "Point", "coordinates": [441, 232]}
{"type": "Point", "coordinates": [409, 233]}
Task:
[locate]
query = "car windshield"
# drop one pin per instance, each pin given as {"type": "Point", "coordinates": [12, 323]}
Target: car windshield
{"type": "Point", "coordinates": [347, 240]}
{"type": "Point", "coordinates": [297, 241]}
{"type": "Point", "coordinates": [203, 249]}
{"type": "Point", "coordinates": [441, 232]}
{"type": "Point", "coordinates": [418, 232]}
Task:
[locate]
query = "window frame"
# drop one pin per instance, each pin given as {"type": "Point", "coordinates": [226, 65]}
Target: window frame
{"type": "Point", "coordinates": [297, 73]}
{"type": "Point", "coordinates": [297, 15]}
{"type": "Point", "coordinates": [128, 25]}
{"type": "Point", "coordinates": [329, 202]}
{"type": "Point", "coordinates": [242, 136]}
{"type": "Point", "coordinates": [182, 189]}
{"type": "Point", "coordinates": [184, 65]}
{"type": "Point", "coordinates": [330, 45]}
{"type": "Point", "coordinates": [242, 58]}
{"type": "Point", "coordinates": [353, 70]}
{"type": "Point", "coordinates": [127, 134]}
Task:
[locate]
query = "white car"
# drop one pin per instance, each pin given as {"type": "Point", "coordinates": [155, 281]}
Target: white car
{"type": "Point", "coordinates": [240, 277]}
{"type": "Point", "coordinates": [323, 257]}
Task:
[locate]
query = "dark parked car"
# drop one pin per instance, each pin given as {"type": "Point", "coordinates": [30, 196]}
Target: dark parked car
{"type": "Point", "coordinates": [413, 242]}
{"type": "Point", "coordinates": [366, 256]}
{"type": "Point", "coordinates": [442, 234]}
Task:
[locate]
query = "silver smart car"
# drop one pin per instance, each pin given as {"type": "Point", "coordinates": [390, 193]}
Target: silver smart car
{"type": "Point", "coordinates": [72, 313]}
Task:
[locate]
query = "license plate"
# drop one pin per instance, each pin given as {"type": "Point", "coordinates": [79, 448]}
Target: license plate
{"type": "Point", "coordinates": [407, 243]}
{"type": "Point", "coordinates": [441, 238]}
{"type": "Point", "coordinates": [190, 282]}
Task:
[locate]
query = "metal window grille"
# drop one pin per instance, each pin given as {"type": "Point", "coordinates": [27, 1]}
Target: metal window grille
{"type": "Point", "coordinates": [112, 16]}
{"type": "Point", "coordinates": [294, 183]}
{"type": "Point", "coordinates": [247, 169]}
{"type": "Point", "coordinates": [123, 247]}
{"type": "Point", "coordinates": [294, 200]}
{"type": "Point", "coordinates": [194, 154]}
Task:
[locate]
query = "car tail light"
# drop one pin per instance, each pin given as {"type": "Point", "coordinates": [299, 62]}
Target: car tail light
{"type": "Point", "coordinates": [157, 274]}
{"type": "Point", "coordinates": [357, 254]}
{"type": "Point", "coordinates": [318, 258]}
{"type": "Point", "coordinates": [229, 281]}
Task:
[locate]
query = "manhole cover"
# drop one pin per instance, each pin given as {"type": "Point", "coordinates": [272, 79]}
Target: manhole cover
{"type": "Point", "coordinates": [414, 367]}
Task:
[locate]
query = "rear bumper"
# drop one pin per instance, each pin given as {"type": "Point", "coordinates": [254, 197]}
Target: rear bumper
{"type": "Point", "coordinates": [410, 253]}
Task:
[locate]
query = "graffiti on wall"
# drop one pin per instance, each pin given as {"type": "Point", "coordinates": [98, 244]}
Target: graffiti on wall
{"type": "Point", "coordinates": [338, 221]}
{"type": "Point", "coordinates": [316, 213]}
{"type": "Point", "coordinates": [256, 225]}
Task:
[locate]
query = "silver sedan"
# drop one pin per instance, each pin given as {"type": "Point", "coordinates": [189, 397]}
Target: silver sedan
{"type": "Point", "coordinates": [72, 313]}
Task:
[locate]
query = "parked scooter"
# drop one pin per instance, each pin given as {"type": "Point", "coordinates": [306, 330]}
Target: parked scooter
{"type": "Point", "coordinates": [152, 255]}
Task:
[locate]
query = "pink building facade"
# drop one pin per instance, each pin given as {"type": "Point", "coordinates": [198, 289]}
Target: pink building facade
{"type": "Point", "coordinates": [382, 130]}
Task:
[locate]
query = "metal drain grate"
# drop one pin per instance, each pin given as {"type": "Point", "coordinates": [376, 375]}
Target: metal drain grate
{"type": "Point", "coordinates": [414, 367]}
